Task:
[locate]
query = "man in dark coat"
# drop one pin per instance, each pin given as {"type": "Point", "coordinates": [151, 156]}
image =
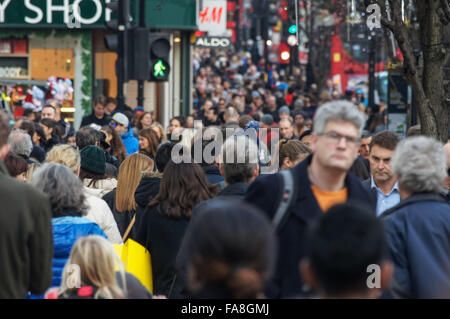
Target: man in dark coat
{"type": "Point", "coordinates": [26, 240]}
{"type": "Point", "coordinates": [321, 181]}
{"type": "Point", "coordinates": [98, 115]}
{"type": "Point", "coordinates": [418, 228]}
{"type": "Point", "coordinates": [211, 168]}
{"type": "Point", "coordinates": [238, 174]}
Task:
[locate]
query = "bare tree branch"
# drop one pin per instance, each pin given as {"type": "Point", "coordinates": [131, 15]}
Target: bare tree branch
{"type": "Point", "coordinates": [446, 9]}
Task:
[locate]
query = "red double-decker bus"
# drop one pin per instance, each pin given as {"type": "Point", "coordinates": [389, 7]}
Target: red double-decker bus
{"type": "Point", "coordinates": [350, 60]}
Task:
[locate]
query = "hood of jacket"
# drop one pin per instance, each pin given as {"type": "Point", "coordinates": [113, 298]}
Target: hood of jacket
{"type": "Point", "coordinates": [148, 187]}
{"type": "Point", "coordinates": [101, 188]}
{"type": "Point", "coordinates": [66, 230]}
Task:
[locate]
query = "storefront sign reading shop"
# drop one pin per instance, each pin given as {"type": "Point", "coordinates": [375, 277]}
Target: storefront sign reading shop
{"type": "Point", "coordinates": [54, 13]}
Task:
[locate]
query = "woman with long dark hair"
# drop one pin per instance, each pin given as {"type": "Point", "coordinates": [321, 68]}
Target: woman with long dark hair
{"type": "Point", "coordinates": [117, 148]}
{"type": "Point", "coordinates": [143, 121]}
{"type": "Point", "coordinates": [162, 226]}
{"type": "Point", "coordinates": [148, 142]}
{"type": "Point", "coordinates": [52, 133]}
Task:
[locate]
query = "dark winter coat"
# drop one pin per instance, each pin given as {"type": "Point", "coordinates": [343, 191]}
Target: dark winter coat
{"type": "Point", "coordinates": [26, 240]}
{"type": "Point", "coordinates": [162, 237]}
{"type": "Point", "coordinates": [233, 192]}
{"type": "Point", "coordinates": [418, 236]}
{"type": "Point", "coordinates": [213, 174]}
{"type": "Point", "coordinates": [123, 219]}
{"type": "Point", "coordinates": [147, 188]}
{"type": "Point", "coordinates": [304, 212]}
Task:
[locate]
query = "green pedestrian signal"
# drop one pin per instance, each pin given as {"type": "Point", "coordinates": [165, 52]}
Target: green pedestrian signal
{"type": "Point", "coordinates": [158, 69]}
{"type": "Point", "coordinates": [293, 29]}
{"type": "Point", "coordinates": [159, 57]}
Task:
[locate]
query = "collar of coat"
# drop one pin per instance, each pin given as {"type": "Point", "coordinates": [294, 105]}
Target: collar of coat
{"type": "Point", "coordinates": [415, 198]}
{"type": "Point", "coordinates": [152, 174]}
{"type": "Point", "coordinates": [306, 200]}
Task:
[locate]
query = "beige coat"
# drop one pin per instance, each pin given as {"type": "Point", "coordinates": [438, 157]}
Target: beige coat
{"type": "Point", "coordinates": [100, 213]}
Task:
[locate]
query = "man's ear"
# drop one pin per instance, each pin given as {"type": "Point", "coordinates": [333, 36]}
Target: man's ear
{"type": "Point", "coordinates": [4, 150]}
{"type": "Point", "coordinates": [287, 162]}
{"type": "Point", "coordinates": [256, 172]}
{"type": "Point", "coordinates": [307, 274]}
{"type": "Point", "coordinates": [313, 141]}
{"type": "Point", "coordinates": [387, 271]}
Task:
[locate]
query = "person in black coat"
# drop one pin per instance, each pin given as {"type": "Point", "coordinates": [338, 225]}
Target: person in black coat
{"type": "Point", "coordinates": [163, 224]}
{"type": "Point", "coordinates": [150, 183]}
{"type": "Point", "coordinates": [25, 232]}
{"type": "Point", "coordinates": [98, 115]}
{"type": "Point", "coordinates": [237, 175]}
{"type": "Point", "coordinates": [52, 133]}
{"type": "Point", "coordinates": [321, 181]}
{"type": "Point", "coordinates": [211, 169]}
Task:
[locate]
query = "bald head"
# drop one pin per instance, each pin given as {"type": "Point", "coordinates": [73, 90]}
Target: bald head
{"type": "Point", "coordinates": [231, 115]}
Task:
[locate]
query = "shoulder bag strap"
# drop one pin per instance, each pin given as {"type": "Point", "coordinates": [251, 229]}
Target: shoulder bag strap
{"type": "Point", "coordinates": [286, 199]}
{"type": "Point", "coordinates": [130, 226]}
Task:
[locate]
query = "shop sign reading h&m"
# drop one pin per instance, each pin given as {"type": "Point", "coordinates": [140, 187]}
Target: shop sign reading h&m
{"type": "Point", "coordinates": [54, 13]}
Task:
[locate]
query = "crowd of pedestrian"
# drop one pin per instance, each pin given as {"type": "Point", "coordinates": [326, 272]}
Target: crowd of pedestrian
{"type": "Point", "coordinates": [343, 196]}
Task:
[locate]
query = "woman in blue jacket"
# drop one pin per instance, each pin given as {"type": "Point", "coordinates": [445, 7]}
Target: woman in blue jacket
{"type": "Point", "coordinates": [65, 192]}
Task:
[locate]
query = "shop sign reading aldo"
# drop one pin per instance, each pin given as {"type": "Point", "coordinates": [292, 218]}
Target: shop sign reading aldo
{"type": "Point", "coordinates": [213, 42]}
{"type": "Point", "coordinates": [54, 13]}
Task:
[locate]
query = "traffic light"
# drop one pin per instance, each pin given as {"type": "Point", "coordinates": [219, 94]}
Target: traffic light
{"type": "Point", "coordinates": [121, 10]}
{"type": "Point", "coordinates": [151, 55]}
{"type": "Point", "coordinates": [118, 42]}
{"type": "Point", "coordinates": [272, 12]}
{"type": "Point", "coordinates": [284, 53]}
{"type": "Point", "coordinates": [159, 57]}
{"type": "Point", "coordinates": [292, 29]}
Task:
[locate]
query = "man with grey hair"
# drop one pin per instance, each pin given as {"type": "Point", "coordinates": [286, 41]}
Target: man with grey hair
{"type": "Point", "coordinates": [446, 191]}
{"type": "Point", "coordinates": [20, 143]}
{"type": "Point", "coordinates": [319, 182]}
{"type": "Point", "coordinates": [418, 228]}
{"type": "Point", "coordinates": [238, 164]}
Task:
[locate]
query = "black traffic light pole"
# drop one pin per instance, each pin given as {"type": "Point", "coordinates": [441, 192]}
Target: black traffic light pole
{"type": "Point", "coordinates": [122, 70]}
{"type": "Point", "coordinates": [372, 48]}
{"type": "Point", "coordinates": [140, 96]}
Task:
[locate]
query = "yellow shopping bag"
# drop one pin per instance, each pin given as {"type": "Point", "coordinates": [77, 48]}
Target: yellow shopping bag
{"type": "Point", "coordinates": [137, 261]}
{"type": "Point", "coordinates": [136, 258]}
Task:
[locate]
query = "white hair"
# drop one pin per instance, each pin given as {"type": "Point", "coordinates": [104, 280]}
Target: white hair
{"type": "Point", "coordinates": [20, 143]}
{"type": "Point", "coordinates": [420, 164]}
{"type": "Point", "coordinates": [338, 111]}
{"type": "Point", "coordinates": [63, 188]}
